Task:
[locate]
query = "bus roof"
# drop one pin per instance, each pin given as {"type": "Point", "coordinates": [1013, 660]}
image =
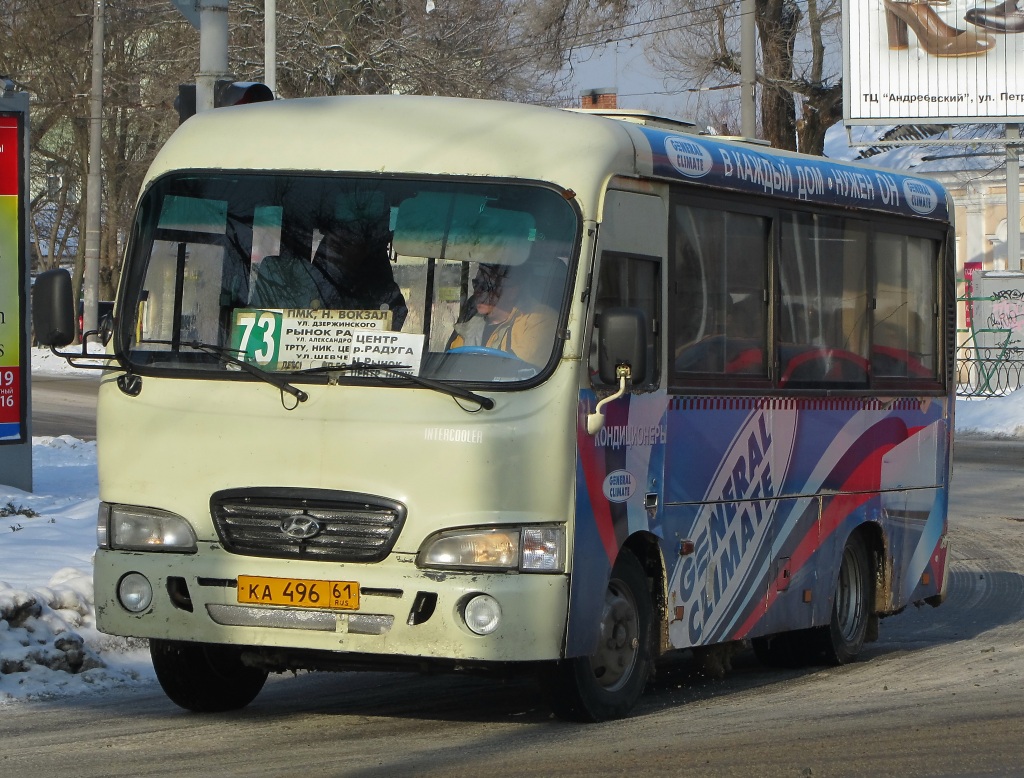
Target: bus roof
{"type": "Point", "coordinates": [576, 150]}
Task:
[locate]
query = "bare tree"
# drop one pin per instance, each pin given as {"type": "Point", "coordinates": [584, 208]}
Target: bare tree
{"type": "Point", "coordinates": [799, 70]}
{"type": "Point", "coordinates": [46, 50]}
{"type": "Point", "coordinates": [503, 49]}
{"type": "Point", "coordinates": [34, 54]}
{"type": "Point", "coordinates": [147, 53]}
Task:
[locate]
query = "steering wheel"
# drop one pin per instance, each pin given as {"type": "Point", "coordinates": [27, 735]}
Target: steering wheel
{"type": "Point", "coordinates": [484, 351]}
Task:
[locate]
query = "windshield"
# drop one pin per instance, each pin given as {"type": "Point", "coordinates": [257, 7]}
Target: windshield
{"type": "Point", "coordinates": [300, 273]}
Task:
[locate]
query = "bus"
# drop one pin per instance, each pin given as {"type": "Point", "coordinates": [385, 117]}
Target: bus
{"type": "Point", "coordinates": [412, 382]}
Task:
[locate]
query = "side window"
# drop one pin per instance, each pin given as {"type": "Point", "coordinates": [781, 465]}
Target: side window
{"type": "Point", "coordinates": [719, 314]}
{"type": "Point", "coordinates": [905, 341]}
{"type": "Point", "coordinates": [630, 282]}
{"type": "Point", "coordinates": [193, 275]}
{"type": "Point", "coordinates": [781, 299]}
{"type": "Point", "coordinates": [822, 321]}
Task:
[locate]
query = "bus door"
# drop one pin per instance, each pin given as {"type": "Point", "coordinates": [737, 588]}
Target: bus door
{"type": "Point", "coordinates": [619, 470]}
{"type": "Point", "coordinates": [730, 442]}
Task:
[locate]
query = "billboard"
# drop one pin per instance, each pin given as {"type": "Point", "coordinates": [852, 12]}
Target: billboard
{"type": "Point", "coordinates": [12, 384]}
{"type": "Point", "coordinates": [941, 61]}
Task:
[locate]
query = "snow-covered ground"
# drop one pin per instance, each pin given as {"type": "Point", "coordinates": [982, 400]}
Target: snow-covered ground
{"type": "Point", "coordinates": [49, 645]}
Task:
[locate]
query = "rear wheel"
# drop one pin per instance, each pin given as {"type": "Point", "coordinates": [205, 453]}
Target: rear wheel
{"type": "Point", "coordinates": [842, 640]}
{"type": "Point", "coordinates": [608, 683]}
{"type": "Point", "coordinates": [203, 677]}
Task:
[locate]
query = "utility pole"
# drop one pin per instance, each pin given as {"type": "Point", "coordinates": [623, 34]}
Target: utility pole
{"type": "Point", "coordinates": [1013, 197]}
{"type": "Point", "coordinates": [94, 182]}
{"type": "Point", "coordinates": [748, 69]}
{"type": "Point", "coordinates": [270, 44]}
{"type": "Point", "coordinates": [213, 51]}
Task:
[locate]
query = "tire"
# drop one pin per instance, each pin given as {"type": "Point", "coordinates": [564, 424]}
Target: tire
{"type": "Point", "coordinates": [205, 678]}
{"type": "Point", "coordinates": [842, 640]}
{"type": "Point", "coordinates": [607, 684]}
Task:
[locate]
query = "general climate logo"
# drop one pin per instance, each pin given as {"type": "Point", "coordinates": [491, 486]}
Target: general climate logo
{"type": "Point", "coordinates": [619, 486]}
{"type": "Point", "coordinates": [688, 157]}
{"type": "Point", "coordinates": [732, 532]}
{"type": "Point", "coordinates": [920, 197]}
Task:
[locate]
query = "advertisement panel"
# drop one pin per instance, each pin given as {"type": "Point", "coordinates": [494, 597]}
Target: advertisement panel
{"type": "Point", "coordinates": [12, 405]}
{"type": "Point", "coordinates": [944, 61]}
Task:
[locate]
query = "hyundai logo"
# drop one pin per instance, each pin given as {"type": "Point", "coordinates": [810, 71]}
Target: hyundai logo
{"type": "Point", "coordinates": [300, 526]}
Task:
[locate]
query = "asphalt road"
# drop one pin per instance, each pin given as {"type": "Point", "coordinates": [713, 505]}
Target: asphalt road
{"type": "Point", "coordinates": [65, 405]}
{"type": "Point", "coordinates": [941, 693]}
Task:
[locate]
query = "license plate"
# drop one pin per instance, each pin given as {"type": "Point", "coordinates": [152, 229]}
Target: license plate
{"type": "Point", "coordinates": [298, 592]}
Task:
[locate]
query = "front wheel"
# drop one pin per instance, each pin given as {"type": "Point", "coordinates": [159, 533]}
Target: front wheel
{"type": "Point", "coordinates": [205, 678]}
{"type": "Point", "coordinates": [608, 683]}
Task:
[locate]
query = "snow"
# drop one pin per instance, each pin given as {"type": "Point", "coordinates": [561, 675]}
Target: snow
{"type": "Point", "coordinates": [49, 644]}
{"type": "Point", "coordinates": [993, 417]}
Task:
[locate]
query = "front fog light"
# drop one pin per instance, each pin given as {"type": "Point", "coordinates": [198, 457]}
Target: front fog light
{"type": "Point", "coordinates": [135, 592]}
{"type": "Point", "coordinates": [482, 614]}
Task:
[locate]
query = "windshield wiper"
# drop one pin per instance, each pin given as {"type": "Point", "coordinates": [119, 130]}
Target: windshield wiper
{"type": "Point", "coordinates": [228, 355]}
{"type": "Point", "coordinates": [454, 391]}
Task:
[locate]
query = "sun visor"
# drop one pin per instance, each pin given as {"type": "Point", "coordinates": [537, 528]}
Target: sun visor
{"type": "Point", "coordinates": [463, 228]}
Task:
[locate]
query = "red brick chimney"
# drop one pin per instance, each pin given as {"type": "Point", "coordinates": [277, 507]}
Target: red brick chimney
{"type": "Point", "coordinates": [599, 99]}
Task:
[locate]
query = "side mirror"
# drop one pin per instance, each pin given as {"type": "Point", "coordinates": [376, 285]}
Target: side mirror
{"type": "Point", "coordinates": [622, 340]}
{"type": "Point", "coordinates": [621, 356]}
{"type": "Point", "coordinates": [53, 308]}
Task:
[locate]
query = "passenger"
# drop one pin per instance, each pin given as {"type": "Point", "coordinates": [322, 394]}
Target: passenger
{"type": "Point", "coordinates": [505, 315]}
{"type": "Point", "coordinates": [354, 258]}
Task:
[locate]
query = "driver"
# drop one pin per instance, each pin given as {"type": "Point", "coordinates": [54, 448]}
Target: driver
{"type": "Point", "coordinates": [505, 316]}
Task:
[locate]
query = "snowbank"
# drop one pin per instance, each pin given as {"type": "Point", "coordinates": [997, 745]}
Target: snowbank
{"type": "Point", "coordinates": [49, 644]}
{"type": "Point", "coordinates": [993, 417]}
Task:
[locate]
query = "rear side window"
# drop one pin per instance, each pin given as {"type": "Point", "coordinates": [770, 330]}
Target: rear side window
{"type": "Point", "coordinates": [823, 301]}
{"type": "Point", "coordinates": [905, 343]}
{"type": "Point", "coordinates": [788, 299]}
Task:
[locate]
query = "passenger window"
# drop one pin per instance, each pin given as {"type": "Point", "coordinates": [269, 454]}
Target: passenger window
{"type": "Point", "coordinates": [823, 278]}
{"type": "Point", "coordinates": [719, 297]}
{"type": "Point", "coordinates": [904, 339]}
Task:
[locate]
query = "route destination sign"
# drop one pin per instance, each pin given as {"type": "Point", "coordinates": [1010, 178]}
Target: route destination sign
{"type": "Point", "coordinates": [300, 339]}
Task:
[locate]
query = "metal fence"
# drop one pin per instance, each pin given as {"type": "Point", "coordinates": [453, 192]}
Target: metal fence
{"type": "Point", "coordinates": [989, 360]}
{"type": "Point", "coordinates": [987, 371]}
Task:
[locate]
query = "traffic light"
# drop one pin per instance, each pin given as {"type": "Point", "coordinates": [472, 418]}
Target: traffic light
{"type": "Point", "coordinates": [240, 93]}
{"type": "Point", "coordinates": [225, 93]}
{"type": "Point", "coordinates": [185, 102]}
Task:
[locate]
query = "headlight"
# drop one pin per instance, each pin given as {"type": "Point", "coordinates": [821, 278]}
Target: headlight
{"type": "Point", "coordinates": [103, 526]}
{"type": "Point", "coordinates": [134, 528]}
{"type": "Point", "coordinates": [529, 549]}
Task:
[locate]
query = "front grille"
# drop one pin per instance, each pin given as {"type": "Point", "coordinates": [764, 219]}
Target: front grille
{"type": "Point", "coordinates": [342, 526]}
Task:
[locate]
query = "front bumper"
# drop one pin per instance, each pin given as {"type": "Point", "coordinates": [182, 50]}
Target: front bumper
{"type": "Point", "coordinates": [404, 611]}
